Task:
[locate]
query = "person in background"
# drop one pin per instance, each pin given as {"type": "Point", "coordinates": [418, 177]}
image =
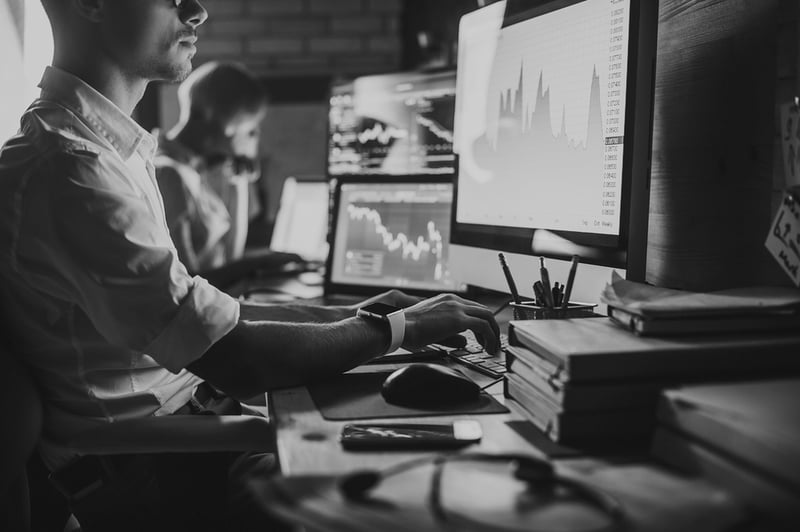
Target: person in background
{"type": "Point", "coordinates": [98, 307]}
{"type": "Point", "coordinates": [207, 166]}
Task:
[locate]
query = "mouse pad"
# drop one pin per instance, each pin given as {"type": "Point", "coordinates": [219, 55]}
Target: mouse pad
{"type": "Point", "coordinates": [358, 396]}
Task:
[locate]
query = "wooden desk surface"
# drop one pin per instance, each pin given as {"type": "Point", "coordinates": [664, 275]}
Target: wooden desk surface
{"type": "Point", "coordinates": [308, 443]}
{"type": "Point", "coordinates": [655, 499]}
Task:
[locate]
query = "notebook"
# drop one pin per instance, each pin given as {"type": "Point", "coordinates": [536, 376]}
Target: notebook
{"type": "Point", "coordinates": [583, 350]}
{"type": "Point", "coordinates": [390, 233]}
{"type": "Point", "coordinates": [301, 225]}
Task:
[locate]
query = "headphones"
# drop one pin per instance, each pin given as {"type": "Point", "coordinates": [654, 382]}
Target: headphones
{"type": "Point", "coordinates": [539, 476]}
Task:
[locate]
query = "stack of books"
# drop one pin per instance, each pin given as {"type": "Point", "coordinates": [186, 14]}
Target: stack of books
{"type": "Point", "coordinates": [651, 311]}
{"type": "Point", "coordinates": [744, 436]}
{"type": "Point", "coordinates": [589, 382]}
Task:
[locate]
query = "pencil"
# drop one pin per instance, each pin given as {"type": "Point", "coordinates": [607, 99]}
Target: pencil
{"type": "Point", "coordinates": [570, 279]}
{"type": "Point", "coordinates": [548, 292]}
{"type": "Point", "coordinates": [512, 286]}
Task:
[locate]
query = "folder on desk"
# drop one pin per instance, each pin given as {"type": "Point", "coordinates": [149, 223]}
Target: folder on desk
{"type": "Point", "coordinates": [742, 435]}
{"type": "Point", "coordinates": [585, 350]}
{"type": "Point", "coordinates": [753, 422]}
{"type": "Point", "coordinates": [648, 310]}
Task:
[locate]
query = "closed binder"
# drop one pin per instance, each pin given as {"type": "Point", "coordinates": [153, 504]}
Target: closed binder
{"type": "Point", "coordinates": [586, 350]}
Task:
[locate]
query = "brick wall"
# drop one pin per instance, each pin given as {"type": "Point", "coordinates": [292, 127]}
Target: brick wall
{"type": "Point", "coordinates": [304, 37]}
{"type": "Point", "coordinates": [296, 46]}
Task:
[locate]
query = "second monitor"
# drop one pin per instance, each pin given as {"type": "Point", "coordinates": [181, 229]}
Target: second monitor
{"type": "Point", "coordinates": [391, 233]}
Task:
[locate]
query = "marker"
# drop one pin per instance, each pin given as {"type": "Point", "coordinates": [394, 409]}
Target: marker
{"type": "Point", "coordinates": [512, 286]}
{"type": "Point", "coordinates": [548, 294]}
{"type": "Point", "coordinates": [570, 279]}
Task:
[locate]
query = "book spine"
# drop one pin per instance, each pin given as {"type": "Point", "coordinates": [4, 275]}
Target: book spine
{"type": "Point", "coordinates": [572, 397]}
{"type": "Point", "coordinates": [578, 427]}
{"type": "Point", "coordinates": [518, 336]}
{"type": "Point", "coordinates": [626, 320]}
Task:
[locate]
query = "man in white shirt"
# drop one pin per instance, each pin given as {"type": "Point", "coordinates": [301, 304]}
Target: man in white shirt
{"type": "Point", "coordinates": [94, 298]}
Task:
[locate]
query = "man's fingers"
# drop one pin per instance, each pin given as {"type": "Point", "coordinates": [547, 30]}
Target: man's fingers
{"type": "Point", "coordinates": [486, 315]}
{"type": "Point", "coordinates": [485, 334]}
{"type": "Point", "coordinates": [455, 341]}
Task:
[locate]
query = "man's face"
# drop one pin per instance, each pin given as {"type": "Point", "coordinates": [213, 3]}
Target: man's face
{"type": "Point", "coordinates": [153, 39]}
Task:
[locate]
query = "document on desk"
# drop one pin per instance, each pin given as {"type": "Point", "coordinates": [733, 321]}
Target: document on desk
{"type": "Point", "coordinates": [585, 350]}
{"type": "Point", "coordinates": [649, 310]}
{"type": "Point", "coordinates": [755, 422]}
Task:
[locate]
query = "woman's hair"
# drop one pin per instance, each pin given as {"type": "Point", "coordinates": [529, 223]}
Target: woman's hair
{"type": "Point", "coordinates": [217, 92]}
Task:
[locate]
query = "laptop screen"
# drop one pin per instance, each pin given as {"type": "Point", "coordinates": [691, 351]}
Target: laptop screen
{"type": "Point", "coordinates": [301, 225]}
{"type": "Point", "coordinates": [391, 234]}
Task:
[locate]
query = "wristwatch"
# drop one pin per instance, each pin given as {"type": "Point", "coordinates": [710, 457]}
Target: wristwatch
{"type": "Point", "coordinates": [393, 316]}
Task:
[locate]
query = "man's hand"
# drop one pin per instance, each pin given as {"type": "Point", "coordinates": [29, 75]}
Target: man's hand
{"type": "Point", "coordinates": [441, 317]}
{"type": "Point", "coordinates": [268, 261]}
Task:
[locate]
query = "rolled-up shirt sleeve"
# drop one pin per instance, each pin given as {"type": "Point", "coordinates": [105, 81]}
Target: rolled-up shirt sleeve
{"type": "Point", "coordinates": [204, 316]}
{"type": "Point", "coordinates": [103, 245]}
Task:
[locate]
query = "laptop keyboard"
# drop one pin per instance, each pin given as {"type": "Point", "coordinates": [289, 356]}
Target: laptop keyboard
{"type": "Point", "coordinates": [475, 357]}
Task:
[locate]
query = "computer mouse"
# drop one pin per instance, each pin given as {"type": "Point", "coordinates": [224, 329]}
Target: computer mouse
{"type": "Point", "coordinates": [425, 385]}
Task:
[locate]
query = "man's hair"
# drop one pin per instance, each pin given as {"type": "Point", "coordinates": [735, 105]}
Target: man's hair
{"type": "Point", "coordinates": [220, 91]}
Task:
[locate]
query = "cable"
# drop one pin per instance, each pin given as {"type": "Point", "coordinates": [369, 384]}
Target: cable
{"type": "Point", "coordinates": [539, 476]}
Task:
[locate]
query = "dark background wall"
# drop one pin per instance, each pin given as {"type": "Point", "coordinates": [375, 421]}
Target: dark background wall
{"type": "Point", "coordinates": [724, 67]}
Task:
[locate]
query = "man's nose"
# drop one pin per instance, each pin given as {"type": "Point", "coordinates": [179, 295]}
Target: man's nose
{"type": "Point", "coordinates": [193, 13]}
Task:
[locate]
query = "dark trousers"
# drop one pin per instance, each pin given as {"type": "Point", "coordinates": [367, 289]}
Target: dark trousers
{"type": "Point", "coordinates": [179, 491]}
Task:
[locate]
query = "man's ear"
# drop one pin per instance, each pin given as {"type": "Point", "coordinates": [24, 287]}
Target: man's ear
{"type": "Point", "coordinates": [90, 9]}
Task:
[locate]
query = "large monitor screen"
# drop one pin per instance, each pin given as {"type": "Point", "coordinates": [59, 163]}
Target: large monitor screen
{"type": "Point", "coordinates": [551, 146]}
{"type": "Point", "coordinates": [392, 124]}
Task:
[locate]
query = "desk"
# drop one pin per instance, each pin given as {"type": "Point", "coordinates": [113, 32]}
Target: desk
{"type": "Point", "coordinates": [654, 498]}
{"type": "Point", "coordinates": [308, 444]}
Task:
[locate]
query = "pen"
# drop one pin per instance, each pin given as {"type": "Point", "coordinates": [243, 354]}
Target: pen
{"type": "Point", "coordinates": [570, 279]}
{"type": "Point", "coordinates": [556, 295]}
{"type": "Point", "coordinates": [548, 294]}
{"type": "Point", "coordinates": [512, 286]}
{"type": "Point", "coordinates": [538, 292]}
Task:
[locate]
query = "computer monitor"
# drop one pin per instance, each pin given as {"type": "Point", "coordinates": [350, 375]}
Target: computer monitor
{"type": "Point", "coordinates": [392, 124]}
{"type": "Point", "coordinates": [301, 225]}
{"type": "Point", "coordinates": [553, 133]}
{"type": "Point", "coordinates": [390, 232]}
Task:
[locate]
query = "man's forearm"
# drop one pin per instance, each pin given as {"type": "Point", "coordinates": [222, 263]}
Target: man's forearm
{"type": "Point", "coordinates": [295, 313]}
{"type": "Point", "coordinates": [262, 355]}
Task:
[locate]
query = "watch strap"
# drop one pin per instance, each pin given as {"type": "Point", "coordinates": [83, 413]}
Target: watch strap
{"type": "Point", "coordinates": [397, 326]}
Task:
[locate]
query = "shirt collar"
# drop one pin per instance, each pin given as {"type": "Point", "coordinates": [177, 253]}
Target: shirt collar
{"type": "Point", "coordinates": [105, 118]}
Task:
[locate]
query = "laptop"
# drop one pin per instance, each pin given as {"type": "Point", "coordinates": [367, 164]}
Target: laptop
{"type": "Point", "coordinates": [301, 224]}
{"type": "Point", "coordinates": [390, 232]}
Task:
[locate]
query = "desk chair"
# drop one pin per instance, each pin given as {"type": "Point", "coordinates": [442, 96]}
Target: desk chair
{"type": "Point", "coordinates": [22, 425]}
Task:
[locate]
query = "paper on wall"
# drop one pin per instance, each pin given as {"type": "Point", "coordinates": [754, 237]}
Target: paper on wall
{"type": "Point", "coordinates": [783, 241]}
{"type": "Point", "coordinates": [790, 140]}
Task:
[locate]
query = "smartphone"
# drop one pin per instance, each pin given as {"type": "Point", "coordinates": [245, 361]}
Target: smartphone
{"type": "Point", "coordinates": [358, 436]}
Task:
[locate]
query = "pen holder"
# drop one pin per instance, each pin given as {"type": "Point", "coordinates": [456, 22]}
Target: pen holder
{"type": "Point", "coordinates": [531, 311]}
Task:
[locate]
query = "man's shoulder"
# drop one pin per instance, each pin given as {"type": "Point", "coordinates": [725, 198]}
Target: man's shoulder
{"type": "Point", "coordinates": [50, 134]}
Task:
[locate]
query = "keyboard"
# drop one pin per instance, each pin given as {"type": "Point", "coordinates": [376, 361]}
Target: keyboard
{"type": "Point", "coordinates": [475, 357]}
